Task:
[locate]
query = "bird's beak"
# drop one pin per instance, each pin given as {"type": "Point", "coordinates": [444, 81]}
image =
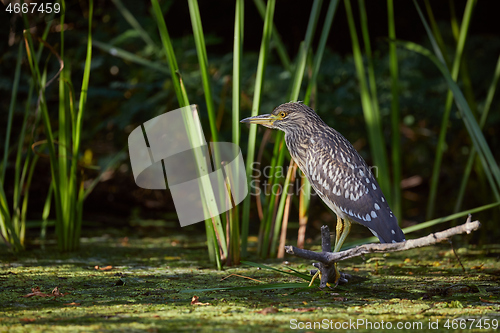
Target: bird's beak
{"type": "Point", "coordinates": [264, 119]}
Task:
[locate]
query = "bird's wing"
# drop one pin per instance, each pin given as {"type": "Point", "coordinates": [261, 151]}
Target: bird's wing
{"type": "Point", "coordinates": [341, 176]}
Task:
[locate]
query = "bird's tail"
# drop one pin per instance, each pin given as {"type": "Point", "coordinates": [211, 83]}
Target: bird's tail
{"type": "Point", "coordinates": [389, 231]}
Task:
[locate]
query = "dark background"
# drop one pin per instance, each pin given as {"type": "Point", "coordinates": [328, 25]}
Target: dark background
{"type": "Point", "coordinates": [120, 102]}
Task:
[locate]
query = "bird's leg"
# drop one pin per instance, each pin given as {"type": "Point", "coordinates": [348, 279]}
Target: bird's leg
{"type": "Point", "coordinates": [346, 229]}
{"type": "Point", "coordinates": [339, 228]}
{"type": "Point", "coordinates": [343, 229]}
{"type": "Point", "coordinates": [318, 273]}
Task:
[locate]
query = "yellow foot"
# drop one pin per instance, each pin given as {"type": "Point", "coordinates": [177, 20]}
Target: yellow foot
{"type": "Point", "coordinates": [318, 273]}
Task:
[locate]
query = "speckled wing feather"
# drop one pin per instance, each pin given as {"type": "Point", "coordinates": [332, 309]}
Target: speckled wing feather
{"type": "Point", "coordinates": [341, 176]}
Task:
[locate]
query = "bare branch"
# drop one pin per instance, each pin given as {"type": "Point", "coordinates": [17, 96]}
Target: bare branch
{"type": "Point", "coordinates": [327, 258]}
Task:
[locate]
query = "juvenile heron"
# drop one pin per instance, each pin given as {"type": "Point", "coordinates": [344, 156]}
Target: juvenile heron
{"type": "Point", "coordinates": [336, 171]}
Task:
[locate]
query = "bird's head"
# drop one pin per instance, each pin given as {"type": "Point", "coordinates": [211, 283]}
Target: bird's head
{"type": "Point", "coordinates": [287, 117]}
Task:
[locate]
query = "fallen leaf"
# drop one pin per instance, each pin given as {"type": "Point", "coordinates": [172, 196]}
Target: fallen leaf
{"type": "Point", "coordinates": [72, 304]}
{"type": "Point", "coordinates": [305, 309]}
{"type": "Point", "coordinates": [57, 293]}
{"type": "Point", "coordinates": [107, 268]}
{"type": "Point", "coordinates": [36, 292]}
{"type": "Point", "coordinates": [194, 301]}
{"type": "Point", "coordinates": [268, 310]}
{"type": "Point", "coordinates": [27, 320]}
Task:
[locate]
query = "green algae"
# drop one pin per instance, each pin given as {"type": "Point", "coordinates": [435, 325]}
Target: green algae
{"type": "Point", "coordinates": [142, 284]}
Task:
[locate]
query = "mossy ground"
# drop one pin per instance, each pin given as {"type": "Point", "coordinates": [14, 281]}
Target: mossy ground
{"type": "Point", "coordinates": [147, 289]}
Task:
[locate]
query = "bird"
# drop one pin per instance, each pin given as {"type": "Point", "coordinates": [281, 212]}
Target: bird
{"type": "Point", "coordinates": [336, 171]}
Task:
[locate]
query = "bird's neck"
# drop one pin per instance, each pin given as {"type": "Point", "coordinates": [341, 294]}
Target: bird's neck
{"type": "Point", "coordinates": [297, 144]}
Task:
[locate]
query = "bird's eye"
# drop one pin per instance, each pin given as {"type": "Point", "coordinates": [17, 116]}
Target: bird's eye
{"type": "Point", "coordinates": [282, 114]}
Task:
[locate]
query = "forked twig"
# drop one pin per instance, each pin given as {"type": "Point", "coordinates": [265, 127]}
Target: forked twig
{"type": "Point", "coordinates": [327, 259]}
